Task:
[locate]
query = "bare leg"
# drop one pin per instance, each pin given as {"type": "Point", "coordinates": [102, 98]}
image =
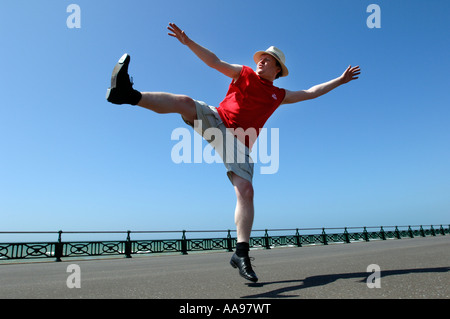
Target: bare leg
{"type": "Point", "coordinates": [244, 222]}
{"type": "Point", "coordinates": [244, 212]}
{"type": "Point", "coordinates": [163, 103]}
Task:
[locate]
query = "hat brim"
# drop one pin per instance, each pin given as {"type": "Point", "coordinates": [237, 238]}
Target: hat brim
{"type": "Point", "coordinates": [284, 69]}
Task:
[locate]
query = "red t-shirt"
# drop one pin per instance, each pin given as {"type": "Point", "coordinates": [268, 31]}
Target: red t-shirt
{"type": "Point", "coordinates": [249, 103]}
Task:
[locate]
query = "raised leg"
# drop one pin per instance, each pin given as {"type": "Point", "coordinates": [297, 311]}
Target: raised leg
{"type": "Point", "coordinates": [163, 103]}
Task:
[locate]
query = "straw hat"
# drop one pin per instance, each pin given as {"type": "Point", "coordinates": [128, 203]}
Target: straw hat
{"type": "Point", "coordinates": [277, 54]}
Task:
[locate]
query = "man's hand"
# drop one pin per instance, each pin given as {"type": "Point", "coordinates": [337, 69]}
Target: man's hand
{"type": "Point", "coordinates": [297, 96]}
{"type": "Point", "coordinates": [209, 58]}
{"type": "Point", "coordinates": [350, 74]}
{"type": "Point", "coordinates": [178, 33]}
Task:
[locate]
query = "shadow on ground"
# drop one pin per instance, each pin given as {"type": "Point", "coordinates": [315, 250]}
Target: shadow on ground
{"type": "Point", "coordinates": [321, 280]}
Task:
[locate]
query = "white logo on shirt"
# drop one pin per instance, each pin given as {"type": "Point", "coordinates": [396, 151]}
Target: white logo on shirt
{"type": "Point", "coordinates": [274, 96]}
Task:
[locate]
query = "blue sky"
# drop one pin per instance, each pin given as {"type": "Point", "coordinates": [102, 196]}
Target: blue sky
{"type": "Point", "coordinates": [373, 152]}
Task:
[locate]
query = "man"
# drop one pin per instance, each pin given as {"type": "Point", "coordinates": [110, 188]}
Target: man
{"type": "Point", "coordinates": [250, 101]}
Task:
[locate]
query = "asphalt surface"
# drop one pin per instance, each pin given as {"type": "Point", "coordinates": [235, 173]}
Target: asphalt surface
{"type": "Point", "coordinates": [410, 268]}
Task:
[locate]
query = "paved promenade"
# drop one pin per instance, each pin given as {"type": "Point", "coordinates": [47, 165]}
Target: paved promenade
{"type": "Point", "coordinates": [410, 268]}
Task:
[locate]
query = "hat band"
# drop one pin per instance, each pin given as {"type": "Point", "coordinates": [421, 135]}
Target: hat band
{"type": "Point", "coordinates": [275, 55]}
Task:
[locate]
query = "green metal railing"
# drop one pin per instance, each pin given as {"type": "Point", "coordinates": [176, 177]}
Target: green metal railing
{"type": "Point", "coordinates": [297, 237]}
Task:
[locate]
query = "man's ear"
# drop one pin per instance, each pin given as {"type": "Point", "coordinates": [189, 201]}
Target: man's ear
{"type": "Point", "coordinates": [279, 73]}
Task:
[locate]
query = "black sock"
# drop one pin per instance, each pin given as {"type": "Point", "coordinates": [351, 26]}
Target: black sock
{"type": "Point", "coordinates": [242, 249]}
{"type": "Point", "coordinates": [135, 97]}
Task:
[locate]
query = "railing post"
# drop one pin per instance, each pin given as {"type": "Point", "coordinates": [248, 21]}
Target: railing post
{"type": "Point", "coordinates": [383, 233]}
{"type": "Point", "coordinates": [229, 242]}
{"type": "Point", "coordinates": [59, 247]}
{"type": "Point", "coordinates": [324, 237]}
{"type": "Point", "coordinates": [267, 240]}
{"type": "Point", "coordinates": [128, 245]}
{"type": "Point", "coordinates": [184, 244]}
{"type": "Point", "coordinates": [422, 232]}
{"type": "Point", "coordinates": [346, 236]}
{"type": "Point", "coordinates": [397, 233]}
{"type": "Point", "coordinates": [433, 233]}
{"type": "Point", "coordinates": [365, 234]}
{"type": "Point", "coordinates": [298, 238]}
{"type": "Point", "coordinates": [410, 232]}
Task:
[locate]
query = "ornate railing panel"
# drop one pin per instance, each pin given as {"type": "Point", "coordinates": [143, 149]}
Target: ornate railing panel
{"type": "Point", "coordinates": [26, 250]}
{"type": "Point", "coordinates": [128, 247]}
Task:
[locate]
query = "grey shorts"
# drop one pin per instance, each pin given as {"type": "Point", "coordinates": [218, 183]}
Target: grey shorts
{"type": "Point", "coordinates": [234, 154]}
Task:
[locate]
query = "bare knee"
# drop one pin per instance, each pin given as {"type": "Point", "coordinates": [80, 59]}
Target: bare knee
{"type": "Point", "coordinates": [186, 107]}
{"type": "Point", "coordinates": [244, 189]}
{"type": "Point", "coordinates": [184, 101]}
{"type": "Point", "coordinates": [247, 192]}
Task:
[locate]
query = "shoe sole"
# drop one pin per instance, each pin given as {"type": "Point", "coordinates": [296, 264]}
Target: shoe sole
{"type": "Point", "coordinates": [124, 60]}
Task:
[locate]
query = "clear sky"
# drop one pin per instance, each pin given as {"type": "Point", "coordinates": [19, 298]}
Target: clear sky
{"type": "Point", "coordinates": [373, 152]}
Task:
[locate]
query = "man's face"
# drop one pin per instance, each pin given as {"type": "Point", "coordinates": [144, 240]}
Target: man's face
{"type": "Point", "coordinates": [267, 67]}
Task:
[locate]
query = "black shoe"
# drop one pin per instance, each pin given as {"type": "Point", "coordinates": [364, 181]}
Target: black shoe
{"type": "Point", "coordinates": [245, 267]}
{"type": "Point", "coordinates": [121, 90]}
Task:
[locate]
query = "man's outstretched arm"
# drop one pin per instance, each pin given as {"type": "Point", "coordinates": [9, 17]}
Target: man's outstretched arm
{"type": "Point", "coordinates": [297, 96]}
{"type": "Point", "coordinates": [210, 59]}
